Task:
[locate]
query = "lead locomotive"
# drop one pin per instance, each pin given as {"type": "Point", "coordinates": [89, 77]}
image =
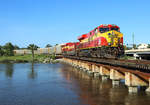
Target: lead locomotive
{"type": "Point", "coordinates": [105, 41]}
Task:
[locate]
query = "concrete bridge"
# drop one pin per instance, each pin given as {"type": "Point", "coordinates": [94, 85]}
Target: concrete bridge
{"type": "Point", "coordinates": [133, 79]}
{"type": "Point", "coordinates": [139, 53]}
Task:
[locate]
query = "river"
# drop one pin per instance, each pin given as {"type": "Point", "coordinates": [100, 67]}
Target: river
{"type": "Point", "coordinates": [60, 84]}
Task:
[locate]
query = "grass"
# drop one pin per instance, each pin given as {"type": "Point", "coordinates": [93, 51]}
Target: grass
{"type": "Point", "coordinates": [127, 57]}
{"type": "Point", "coordinates": [23, 58]}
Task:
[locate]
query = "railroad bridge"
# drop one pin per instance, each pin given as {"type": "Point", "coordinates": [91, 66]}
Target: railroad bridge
{"type": "Point", "coordinates": [133, 77]}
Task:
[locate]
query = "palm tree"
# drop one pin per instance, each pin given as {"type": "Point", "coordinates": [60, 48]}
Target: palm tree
{"type": "Point", "coordinates": [32, 47]}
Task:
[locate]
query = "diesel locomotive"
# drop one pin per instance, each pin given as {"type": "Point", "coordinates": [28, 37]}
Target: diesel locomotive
{"type": "Point", "coordinates": [104, 41]}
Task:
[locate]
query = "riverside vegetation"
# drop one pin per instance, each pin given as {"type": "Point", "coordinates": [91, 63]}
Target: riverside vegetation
{"type": "Point", "coordinates": [7, 55]}
{"type": "Point", "coordinates": [28, 58]}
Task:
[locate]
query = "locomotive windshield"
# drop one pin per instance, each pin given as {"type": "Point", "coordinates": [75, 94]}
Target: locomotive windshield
{"type": "Point", "coordinates": [103, 30]}
{"type": "Point", "coordinates": [115, 29]}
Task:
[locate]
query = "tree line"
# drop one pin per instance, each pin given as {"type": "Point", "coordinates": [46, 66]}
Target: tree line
{"type": "Point", "coordinates": [135, 46]}
{"type": "Point", "coordinates": [8, 48]}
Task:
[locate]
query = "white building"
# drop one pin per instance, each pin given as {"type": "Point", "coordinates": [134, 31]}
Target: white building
{"type": "Point", "coordinates": [143, 46]}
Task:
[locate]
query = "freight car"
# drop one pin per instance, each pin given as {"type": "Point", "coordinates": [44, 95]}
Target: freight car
{"type": "Point", "coordinates": [105, 41]}
{"type": "Point", "coordinates": [51, 50]}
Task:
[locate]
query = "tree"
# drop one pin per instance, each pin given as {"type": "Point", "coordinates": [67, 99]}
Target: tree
{"type": "Point", "coordinates": [148, 46]}
{"type": "Point", "coordinates": [16, 47]}
{"type": "Point", "coordinates": [1, 51]}
{"type": "Point", "coordinates": [134, 46]}
{"type": "Point", "coordinates": [8, 49]}
{"type": "Point", "coordinates": [32, 47]}
{"type": "Point", "coordinates": [48, 45]}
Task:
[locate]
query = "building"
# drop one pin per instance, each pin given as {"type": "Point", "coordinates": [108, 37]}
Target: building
{"type": "Point", "coordinates": [143, 46]}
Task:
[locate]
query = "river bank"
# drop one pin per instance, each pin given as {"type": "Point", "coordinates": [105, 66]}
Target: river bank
{"type": "Point", "coordinates": [28, 58]}
{"type": "Point", "coordinates": [37, 59]}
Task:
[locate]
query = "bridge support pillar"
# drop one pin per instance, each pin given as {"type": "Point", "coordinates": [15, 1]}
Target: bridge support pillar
{"type": "Point", "coordinates": [133, 81]}
{"type": "Point", "coordinates": [78, 64]}
{"type": "Point", "coordinates": [105, 73]}
{"type": "Point", "coordinates": [105, 78]}
{"type": "Point", "coordinates": [86, 67]}
{"type": "Point", "coordinates": [81, 65]}
{"type": "Point", "coordinates": [148, 89]}
{"type": "Point", "coordinates": [116, 76]}
{"type": "Point", "coordinates": [132, 89]}
{"type": "Point", "coordinates": [96, 74]}
{"type": "Point", "coordinates": [75, 63]}
{"type": "Point", "coordinates": [93, 67]}
{"type": "Point", "coordinates": [115, 82]}
{"type": "Point", "coordinates": [95, 71]}
{"type": "Point", "coordinates": [90, 73]}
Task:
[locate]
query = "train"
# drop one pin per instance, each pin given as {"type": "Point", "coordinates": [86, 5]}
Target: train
{"type": "Point", "coordinates": [104, 41]}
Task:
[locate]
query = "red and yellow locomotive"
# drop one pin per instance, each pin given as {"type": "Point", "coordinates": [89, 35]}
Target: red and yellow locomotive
{"type": "Point", "coordinates": [105, 40]}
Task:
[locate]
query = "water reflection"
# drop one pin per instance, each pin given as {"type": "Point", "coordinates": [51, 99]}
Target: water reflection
{"type": "Point", "coordinates": [60, 84]}
{"type": "Point", "coordinates": [9, 70]}
{"type": "Point", "coordinates": [32, 72]}
{"type": "Point", "coordinates": [96, 92]}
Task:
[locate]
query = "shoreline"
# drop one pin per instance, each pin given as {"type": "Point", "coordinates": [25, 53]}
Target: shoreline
{"type": "Point", "coordinates": [28, 59]}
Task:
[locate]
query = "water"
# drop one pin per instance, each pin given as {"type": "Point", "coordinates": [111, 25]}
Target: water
{"type": "Point", "coordinates": [60, 84]}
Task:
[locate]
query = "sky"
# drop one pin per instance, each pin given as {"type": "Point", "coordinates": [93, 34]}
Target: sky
{"type": "Point", "coordinates": [43, 22]}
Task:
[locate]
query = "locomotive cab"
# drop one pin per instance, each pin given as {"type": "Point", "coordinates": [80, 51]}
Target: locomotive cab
{"type": "Point", "coordinates": [112, 34]}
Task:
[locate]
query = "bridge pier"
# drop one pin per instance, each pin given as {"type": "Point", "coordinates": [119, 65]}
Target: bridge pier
{"type": "Point", "coordinates": [104, 78]}
{"type": "Point", "coordinates": [95, 70]}
{"type": "Point", "coordinates": [133, 81]}
{"type": "Point", "coordinates": [148, 89]}
{"type": "Point", "coordinates": [116, 76]}
{"type": "Point", "coordinates": [89, 70]}
{"type": "Point", "coordinates": [86, 66]}
{"type": "Point", "coordinates": [96, 74]}
{"type": "Point", "coordinates": [105, 73]}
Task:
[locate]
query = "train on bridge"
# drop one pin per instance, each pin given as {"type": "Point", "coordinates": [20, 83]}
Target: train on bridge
{"type": "Point", "coordinates": [104, 41]}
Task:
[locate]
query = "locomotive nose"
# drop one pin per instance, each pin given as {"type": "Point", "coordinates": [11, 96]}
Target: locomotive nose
{"type": "Point", "coordinates": [113, 35]}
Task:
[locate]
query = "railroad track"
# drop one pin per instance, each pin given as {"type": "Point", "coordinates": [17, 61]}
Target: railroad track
{"type": "Point", "coordinates": [143, 66]}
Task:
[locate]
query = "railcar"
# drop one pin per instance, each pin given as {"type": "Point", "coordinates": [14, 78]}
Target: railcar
{"type": "Point", "coordinates": [70, 48]}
